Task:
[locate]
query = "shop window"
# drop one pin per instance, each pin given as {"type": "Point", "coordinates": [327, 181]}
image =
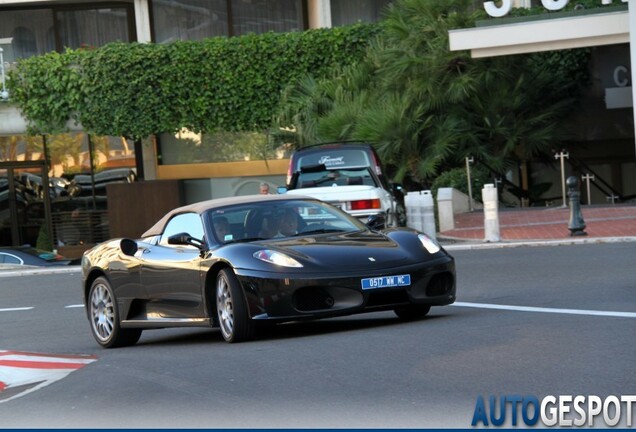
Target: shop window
{"type": "Point", "coordinates": [23, 43]}
{"type": "Point", "coordinates": [77, 194]}
{"type": "Point", "coordinates": [189, 20]}
{"type": "Point", "coordinates": [92, 27]}
{"type": "Point", "coordinates": [261, 16]}
{"type": "Point", "coordinates": [190, 148]}
{"type": "Point", "coordinates": [344, 12]}
{"type": "Point", "coordinates": [69, 152]}
{"type": "Point", "coordinates": [30, 30]}
{"type": "Point", "coordinates": [199, 19]}
{"type": "Point", "coordinates": [33, 29]}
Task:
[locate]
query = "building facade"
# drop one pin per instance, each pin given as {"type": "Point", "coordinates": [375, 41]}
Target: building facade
{"type": "Point", "coordinates": [603, 145]}
{"type": "Point", "coordinates": [29, 28]}
{"type": "Point", "coordinates": [602, 150]}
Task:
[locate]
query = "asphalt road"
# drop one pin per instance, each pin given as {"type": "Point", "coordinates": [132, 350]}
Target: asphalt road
{"type": "Point", "coordinates": [366, 371]}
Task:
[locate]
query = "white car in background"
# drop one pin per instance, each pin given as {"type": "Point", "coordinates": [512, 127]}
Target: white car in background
{"type": "Point", "coordinates": [348, 176]}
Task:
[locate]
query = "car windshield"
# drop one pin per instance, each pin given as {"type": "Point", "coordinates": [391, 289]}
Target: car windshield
{"type": "Point", "coordinates": [278, 219]}
{"type": "Point", "coordinates": [335, 177]}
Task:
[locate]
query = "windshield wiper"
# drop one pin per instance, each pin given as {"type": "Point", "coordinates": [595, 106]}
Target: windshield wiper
{"type": "Point", "coordinates": [249, 239]}
{"type": "Point", "coordinates": [320, 231]}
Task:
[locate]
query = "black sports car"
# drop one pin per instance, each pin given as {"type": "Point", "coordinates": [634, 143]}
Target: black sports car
{"type": "Point", "coordinates": [236, 262]}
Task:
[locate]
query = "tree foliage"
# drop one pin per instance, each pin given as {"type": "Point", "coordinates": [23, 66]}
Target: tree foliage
{"type": "Point", "coordinates": [426, 108]}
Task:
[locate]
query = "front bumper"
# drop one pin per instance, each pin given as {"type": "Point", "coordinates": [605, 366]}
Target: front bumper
{"type": "Point", "coordinates": [286, 296]}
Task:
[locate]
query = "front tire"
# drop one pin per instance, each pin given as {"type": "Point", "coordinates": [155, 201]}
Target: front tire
{"type": "Point", "coordinates": [104, 317]}
{"type": "Point", "coordinates": [412, 312]}
{"type": "Point", "coordinates": [234, 319]}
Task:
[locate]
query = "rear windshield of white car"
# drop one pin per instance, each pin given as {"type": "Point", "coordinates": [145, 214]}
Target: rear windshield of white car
{"type": "Point", "coordinates": [335, 158]}
{"type": "Point", "coordinates": [336, 177]}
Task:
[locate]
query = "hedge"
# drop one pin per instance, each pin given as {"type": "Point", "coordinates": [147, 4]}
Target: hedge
{"type": "Point", "coordinates": [135, 89]}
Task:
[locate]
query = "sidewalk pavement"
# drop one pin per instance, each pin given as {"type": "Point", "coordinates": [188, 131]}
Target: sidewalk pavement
{"type": "Point", "coordinates": [543, 226]}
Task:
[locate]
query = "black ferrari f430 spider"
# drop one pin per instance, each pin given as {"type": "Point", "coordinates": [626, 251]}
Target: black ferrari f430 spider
{"type": "Point", "coordinates": [235, 263]}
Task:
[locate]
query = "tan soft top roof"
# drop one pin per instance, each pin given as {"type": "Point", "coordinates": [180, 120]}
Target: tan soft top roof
{"type": "Point", "coordinates": [203, 206]}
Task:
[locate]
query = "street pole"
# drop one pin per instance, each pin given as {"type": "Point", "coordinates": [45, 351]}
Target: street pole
{"type": "Point", "coordinates": [4, 94]}
{"type": "Point", "coordinates": [562, 155]}
{"type": "Point", "coordinates": [587, 179]}
{"type": "Point", "coordinates": [469, 160]}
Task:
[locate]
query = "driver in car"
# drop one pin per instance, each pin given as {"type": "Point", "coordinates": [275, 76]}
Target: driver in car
{"type": "Point", "coordinates": [288, 224]}
{"type": "Point", "coordinates": [222, 228]}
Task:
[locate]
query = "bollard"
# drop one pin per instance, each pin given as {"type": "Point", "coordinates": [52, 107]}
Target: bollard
{"type": "Point", "coordinates": [413, 211]}
{"type": "Point", "coordinates": [491, 215]}
{"type": "Point", "coordinates": [445, 210]}
{"type": "Point", "coordinates": [420, 213]}
{"type": "Point", "coordinates": [576, 225]}
{"type": "Point", "coordinates": [428, 214]}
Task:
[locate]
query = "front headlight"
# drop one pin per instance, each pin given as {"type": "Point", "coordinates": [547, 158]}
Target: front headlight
{"type": "Point", "coordinates": [429, 244]}
{"type": "Point", "coordinates": [277, 258]}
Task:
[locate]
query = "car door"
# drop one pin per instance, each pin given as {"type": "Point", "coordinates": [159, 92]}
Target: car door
{"type": "Point", "coordinates": [171, 273]}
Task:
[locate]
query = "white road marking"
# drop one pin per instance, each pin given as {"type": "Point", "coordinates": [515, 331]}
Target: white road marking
{"type": "Point", "coordinates": [16, 309]}
{"type": "Point", "coordinates": [466, 304]}
{"type": "Point", "coordinates": [547, 310]}
{"type": "Point", "coordinates": [25, 372]}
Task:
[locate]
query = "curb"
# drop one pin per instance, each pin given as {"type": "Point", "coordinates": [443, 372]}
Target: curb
{"type": "Point", "coordinates": [6, 271]}
{"type": "Point", "coordinates": [463, 244]}
{"type": "Point", "coordinates": [448, 243]}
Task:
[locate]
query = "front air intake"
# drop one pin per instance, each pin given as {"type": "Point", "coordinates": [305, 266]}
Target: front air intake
{"type": "Point", "coordinates": [439, 285]}
{"type": "Point", "coordinates": [312, 299]}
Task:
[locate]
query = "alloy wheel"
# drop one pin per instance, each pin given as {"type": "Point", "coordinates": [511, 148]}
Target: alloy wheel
{"type": "Point", "coordinates": [102, 312]}
{"type": "Point", "coordinates": [225, 307]}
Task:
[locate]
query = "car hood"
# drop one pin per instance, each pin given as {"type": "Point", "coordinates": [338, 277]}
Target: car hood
{"type": "Point", "coordinates": [354, 251]}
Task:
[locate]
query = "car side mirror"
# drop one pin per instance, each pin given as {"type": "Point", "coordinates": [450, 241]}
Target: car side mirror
{"type": "Point", "coordinates": [128, 247]}
{"type": "Point", "coordinates": [281, 189]}
{"type": "Point", "coordinates": [376, 222]}
{"type": "Point", "coordinates": [185, 239]}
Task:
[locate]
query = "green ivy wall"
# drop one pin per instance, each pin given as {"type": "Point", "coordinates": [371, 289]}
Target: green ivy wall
{"type": "Point", "coordinates": [135, 90]}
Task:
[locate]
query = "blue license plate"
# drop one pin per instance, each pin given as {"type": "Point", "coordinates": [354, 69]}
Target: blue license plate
{"type": "Point", "coordinates": [386, 282]}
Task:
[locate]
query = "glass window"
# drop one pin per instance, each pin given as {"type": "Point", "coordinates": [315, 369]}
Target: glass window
{"type": "Point", "coordinates": [279, 219]}
{"type": "Point", "coordinates": [184, 223]}
{"type": "Point", "coordinates": [345, 12]}
{"type": "Point", "coordinates": [92, 27]}
{"type": "Point", "coordinates": [31, 30]}
{"type": "Point", "coordinates": [71, 186]}
{"type": "Point", "coordinates": [187, 148]}
{"type": "Point", "coordinates": [19, 148]}
{"type": "Point", "coordinates": [261, 16]}
{"type": "Point", "coordinates": [198, 19]}
{"type": "Point", "coordinates": [69, 152]}
{"type": "Point", "coordinates": [189, 19]}
{"type": "Point", "coordinates": [337, 177]}
{"type": "Point", "coordinates": [9, 259]}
